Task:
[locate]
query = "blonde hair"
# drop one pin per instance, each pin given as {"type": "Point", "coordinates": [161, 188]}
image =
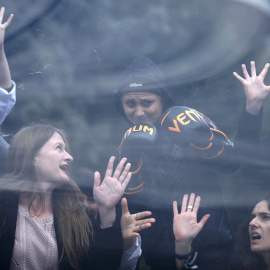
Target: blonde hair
{"type": "Point", "coordinates": [74, 226]}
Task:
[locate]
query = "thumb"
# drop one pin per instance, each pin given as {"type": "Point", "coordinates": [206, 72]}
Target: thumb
{"type": "Point", "coordinates": [204, 220]}
{"type": "Point", "coordinates": [124, 206]}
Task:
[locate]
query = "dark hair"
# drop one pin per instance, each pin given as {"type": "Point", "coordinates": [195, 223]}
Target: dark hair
{"type": "Point", "coordinates": [249, 259]}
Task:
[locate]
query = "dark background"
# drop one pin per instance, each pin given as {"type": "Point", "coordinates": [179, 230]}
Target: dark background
{"type": "Point", "coordinates": [67, 57]}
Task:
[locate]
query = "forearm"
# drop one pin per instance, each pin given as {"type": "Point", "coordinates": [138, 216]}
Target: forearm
{"type": "Point", "coordinates": [254, 107]}
{"type": "Point", "coordinates": [5, 77]}
{"type": "Point", "coordinates": [128, 243]}
{"type": "Point", "coordinates": [182, 248]}
{"type": "Point", "coordinates": [131, 256]}
{"type": "Point", "coordinates": [107, 216]}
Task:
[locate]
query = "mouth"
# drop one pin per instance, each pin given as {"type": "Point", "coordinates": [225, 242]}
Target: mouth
{"type": "Point", "coordinates": [64, 168]}
{"type": "Point", "coordinates": [255, 236]}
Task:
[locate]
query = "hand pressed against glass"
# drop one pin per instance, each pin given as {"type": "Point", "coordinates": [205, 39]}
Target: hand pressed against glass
{"type": "Point", "coordinates": [259, 229]}
{"type": "Point", "coordinates": [142, 107]}
{"type": "Point", "coordinates": [52, 162]}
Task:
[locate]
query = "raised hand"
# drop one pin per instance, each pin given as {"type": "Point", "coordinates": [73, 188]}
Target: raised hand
{"type": "Point", "coordinates": [255, 89]}
{"type": "Point", "coordinates": [3, 26]}
{"type": "Point", "coordinates": [109, 192]}
{"type": "Point", "coordinates": [185, 225]}
{"type": "Point", "coordinates": [131, 225]}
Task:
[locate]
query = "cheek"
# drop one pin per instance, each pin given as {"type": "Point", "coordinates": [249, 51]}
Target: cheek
{"type": "Point", "coordinates": [127, 110]}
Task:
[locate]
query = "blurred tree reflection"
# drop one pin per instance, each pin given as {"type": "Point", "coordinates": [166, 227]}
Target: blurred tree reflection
{"type": "Point", "coordinates": [67, 56]}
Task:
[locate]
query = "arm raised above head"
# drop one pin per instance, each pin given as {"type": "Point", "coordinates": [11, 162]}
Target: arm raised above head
{"type": "Point", "coordinates": [5, 77]}
{"type": "Point", "coordinates": [255, 89]}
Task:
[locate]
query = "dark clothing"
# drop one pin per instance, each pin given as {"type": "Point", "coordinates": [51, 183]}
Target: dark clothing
{"type": "Point", "coordinates": [168, 173]}
{"type": "Point", "coordinates": [103, 253]}
{"type": "Point", "coordinates": [251, 150]}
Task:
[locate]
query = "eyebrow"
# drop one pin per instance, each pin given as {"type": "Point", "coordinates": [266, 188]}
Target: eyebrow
{"type": "Point", "coordinates": [60, 143]}
{"type": "Point", "coordinates": [260, 213]}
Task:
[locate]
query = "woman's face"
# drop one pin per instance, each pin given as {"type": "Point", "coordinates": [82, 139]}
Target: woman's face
{"type": "Point", "coordinates": [142, 107]}
{"type": "Point", "coordinates": [259, 229]}
{"type": "Point", "coordinates": [52, 162]}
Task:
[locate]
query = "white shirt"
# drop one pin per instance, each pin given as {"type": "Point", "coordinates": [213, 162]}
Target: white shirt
{"type": "Point", "coordinates": [7, 101]}
{"type": "Point", "coordinates": [131, 256]}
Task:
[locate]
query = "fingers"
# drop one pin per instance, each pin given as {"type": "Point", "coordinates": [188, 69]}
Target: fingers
{"type": "Point", "coordinates": [253, 69]}
{"type": "Point", "coordinates": [188, 207]}
{"type": "Point", "coordinates": [239, 78]}
{"type": "Point", "coordinates": [143, 226]}
{"type": "Point", "coordinates": [175, 209]}
{"type": "Point", "coordinates": [264, 71]}
{"type": "Point", "coordinates": [246, 75]}
{"type": "Point", "coordinates": [6, 24]}
{"type": "Point", "coordinates": [124, 206]}
{"type": "Point", "coordinates": [96, 179]}
{"type": "Point", "coordinates": [125, 172]}
{"type": "Point", "coordinates": [119, 168]}
{"type": "Point", "coordinates": [110, 167]}
{"type": "Point", "coordinates": [141, 215]}
{"type": "Point", "coordinates": [197, 204]}
{"type": "Point", "coordinates": [184, 203]}
{"type": "Point", "coordinates": [191, 202]}
{"type": "Point", "coordinates": [2, 11]}
{"type": "Point", "coordinates": [126, 181]}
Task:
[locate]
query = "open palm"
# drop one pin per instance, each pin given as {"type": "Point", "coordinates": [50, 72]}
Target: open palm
{"type": "Point", "coordinates": [185, 225]}
{"type": "Point", "coordinates": [109, 192]}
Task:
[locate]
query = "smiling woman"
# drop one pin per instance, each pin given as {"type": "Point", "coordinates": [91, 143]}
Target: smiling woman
{"type": "Point", "coordinates": [42, 218]}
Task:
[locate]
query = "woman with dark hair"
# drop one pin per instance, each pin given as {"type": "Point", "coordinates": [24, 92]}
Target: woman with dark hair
{"type": "Point", "coordinates": [172, 160]}
{"type": "Point", "coordinates": [43, 224]}
{"type": "Point", "coordinates": [254, 237]}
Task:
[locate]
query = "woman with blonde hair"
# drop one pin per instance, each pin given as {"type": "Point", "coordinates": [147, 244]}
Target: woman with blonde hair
{"type": "Point", "coordinates": [43, 224]}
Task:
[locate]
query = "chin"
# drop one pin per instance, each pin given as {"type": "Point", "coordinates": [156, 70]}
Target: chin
{"type": "Point", "coordinates": [257, 249]}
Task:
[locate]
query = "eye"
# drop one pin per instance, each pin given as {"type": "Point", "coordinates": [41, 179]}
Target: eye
{"type": "Point", "coordinates": [251, 217]}
{"type": "Point", "coordinates": [147, 103]}
{"type": "Point", "coordinates": [59, 147]}
{"type": "Point", "coordinates": [130, 103]}
{"type": "Point", "coordinates": [265, 217]}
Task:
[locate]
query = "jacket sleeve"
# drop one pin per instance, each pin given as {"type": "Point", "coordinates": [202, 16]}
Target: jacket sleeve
{"type": "Point", "coordinates": [107, 248]}
{"type": "Point", "coordinates": [7, 101]}
{"type": "Point", "coordinates": [250, 149]}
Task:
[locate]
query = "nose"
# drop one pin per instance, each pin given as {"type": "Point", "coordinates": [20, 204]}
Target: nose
{"type": "Point", "coordinates": [253, 223]}
{"type": "Point", "coordinates": [139, 112]}
{"type": "Point", "coordinates": [68, 157]}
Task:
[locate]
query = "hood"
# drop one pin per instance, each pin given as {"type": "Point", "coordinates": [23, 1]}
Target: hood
{"type": "Point", "coordinates": [142, 75]}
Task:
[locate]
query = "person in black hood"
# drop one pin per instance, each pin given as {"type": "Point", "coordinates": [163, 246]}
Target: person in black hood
{"type": "Point", "coordinates": [168, 172]}
{"type": "Point", "coordinates": [142, 85]}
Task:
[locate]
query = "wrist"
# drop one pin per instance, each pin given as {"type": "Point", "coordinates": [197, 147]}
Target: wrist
{"type": "Point", "coordinates": [182, 255]}
{"type": "Point", "coordinates": [107, 216]}
{"type": "Point", "coordinates": [182, 249]}
{"type": "Point", "coordinates": [253, 107]}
